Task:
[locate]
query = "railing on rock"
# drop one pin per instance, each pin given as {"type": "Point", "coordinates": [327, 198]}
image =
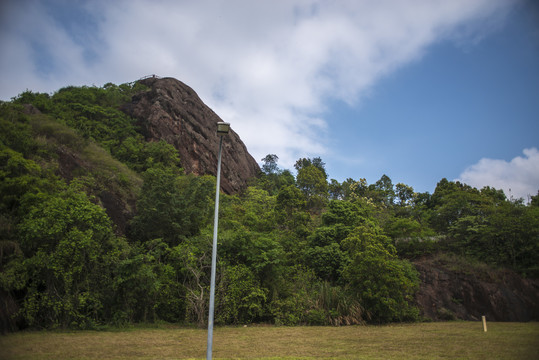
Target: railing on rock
{"type": "Point", "coordinates": [153, 76]}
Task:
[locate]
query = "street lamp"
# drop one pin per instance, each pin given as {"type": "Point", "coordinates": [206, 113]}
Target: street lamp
{"type": "Point", "coordinates": [222, 130]}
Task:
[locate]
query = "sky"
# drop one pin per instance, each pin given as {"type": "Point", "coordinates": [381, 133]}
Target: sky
{"type": "Point", "coordinates": [418, 90]}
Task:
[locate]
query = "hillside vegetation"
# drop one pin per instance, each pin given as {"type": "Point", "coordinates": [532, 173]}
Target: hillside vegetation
{"type": "Point", "coordinates": [292, 249]}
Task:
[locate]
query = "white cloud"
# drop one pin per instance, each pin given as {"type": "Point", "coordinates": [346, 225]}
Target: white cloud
{"type": "Point", "coordinates": [270, 65]}
{"type": "Point", "coordinates": [518, 178]}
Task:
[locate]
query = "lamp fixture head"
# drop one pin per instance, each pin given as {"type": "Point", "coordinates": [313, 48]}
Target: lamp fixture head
{"type": "Point", "coordinates": [223, 128]}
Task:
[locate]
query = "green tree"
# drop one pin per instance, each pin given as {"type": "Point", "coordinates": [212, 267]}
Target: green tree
{"type": "Point", "coordinates": [384, 284]}
{"type": "Point", "coordinates": [327, 261]}
{"type": "Point", "coordinates": [19, 177]}
{"type": "Point", "coordinates": [41, 101]}
{"type": "Point", "coordinates": [311, 180]}
{"type": "Point", "coordinates": [382, 191]}
{"type": "Point", "coordinates": [240, 298]}
{"type": "Point", "coordinates": [535, 200]}
{"type": "Point", "coordinates": [294, 296]}
{"type": "Point", "coordinates": [403, 228]}
{"type": "Point", "coordinates": [336, 190]}
{"type": "Point", "coordinates": [340, 218]}
{"type": "Point", "coordinates": [272, 179]}
{"type": "Point", "coordinates": [147, 285]}
{"type": "Point", "coordinates": [452, 200]}
{"type": "Point", "coordinates": [345, 212]}
{"type": "Point", "coordinates": [404, 192]}
{"type": "Point", "coordinates": [355, 189]}
{"type": "Point", "coordinates": [348, 190]}
{"type": "Point", "coordinates": [270, 164]}
{"type": "Point", "coordinates": [141, 155]}
{"type": "Point", "coordinates": [261, 252]}
{"type": "Point", "coordinates": [15, 129]}
{"type": "Point", "coordinates": [509, 236]}
{"type": "Point", "coordinates": [316, 162]}
{"type": "Point", "coordinates": [258, 210]}
{"type": "Point", "coordinates": [71, 253]}
{"type": "Point", "coordinates": [291, 207]}
{"type": "Point", "coordinates": [172, 207]}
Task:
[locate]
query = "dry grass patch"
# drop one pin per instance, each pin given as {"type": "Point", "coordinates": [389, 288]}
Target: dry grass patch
{"type": "Point", "coordinates": [453, 340]}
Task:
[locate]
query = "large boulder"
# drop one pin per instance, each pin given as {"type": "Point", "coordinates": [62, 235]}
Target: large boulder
{"type": "Point", "coordinates": [173, 112]}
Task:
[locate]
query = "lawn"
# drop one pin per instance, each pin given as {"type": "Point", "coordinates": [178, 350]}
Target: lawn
{"type": "Point", "coordinates": [449, 340]}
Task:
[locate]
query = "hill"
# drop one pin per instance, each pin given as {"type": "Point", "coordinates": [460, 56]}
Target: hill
{"type": "Point", "coordinates": [106, 214]}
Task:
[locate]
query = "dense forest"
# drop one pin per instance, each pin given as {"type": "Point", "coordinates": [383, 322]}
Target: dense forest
{"type": "Point", "coordinates": [294, 247]}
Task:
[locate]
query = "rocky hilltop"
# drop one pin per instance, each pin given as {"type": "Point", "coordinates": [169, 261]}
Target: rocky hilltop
{"type": "Point", "coordinates": [173, 112]}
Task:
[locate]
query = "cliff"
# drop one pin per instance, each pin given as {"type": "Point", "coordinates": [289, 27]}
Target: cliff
{"type": "Point", "coordinates": [452, 289]}
{"type": "Point", "coordinates": [173, 112]}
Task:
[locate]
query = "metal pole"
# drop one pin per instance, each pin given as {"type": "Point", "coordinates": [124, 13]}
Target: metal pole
{"type": "Point", "coordinates": [214, 256]}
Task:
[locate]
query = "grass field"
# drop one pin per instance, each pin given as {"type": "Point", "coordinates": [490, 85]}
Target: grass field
{"type": "Point", "coordinates": [450, 340]}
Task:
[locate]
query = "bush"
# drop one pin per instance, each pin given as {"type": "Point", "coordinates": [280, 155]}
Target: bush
{"type": "Point", "coordinates": [384, 284]}
{"type": "Point", "coordinates": [240, 299]}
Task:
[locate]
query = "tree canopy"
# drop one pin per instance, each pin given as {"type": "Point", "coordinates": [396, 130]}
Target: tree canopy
{"type": "Point", "coordinates": [292, 249]}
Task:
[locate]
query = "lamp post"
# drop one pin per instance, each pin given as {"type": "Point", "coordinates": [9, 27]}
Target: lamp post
{"type": "Point", "coordinates": [222, 130]}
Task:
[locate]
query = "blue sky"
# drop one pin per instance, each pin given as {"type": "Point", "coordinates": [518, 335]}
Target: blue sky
{"type": "Point", "coordinates": [456, 105]}
{"type": "Point", "coordinates": [415, 89]}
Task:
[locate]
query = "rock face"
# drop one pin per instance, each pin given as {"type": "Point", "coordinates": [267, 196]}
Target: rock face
{"type": "Point", "coordinates": [448, 293]}
{"type": "Point", "coordinates": [173, 112]}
